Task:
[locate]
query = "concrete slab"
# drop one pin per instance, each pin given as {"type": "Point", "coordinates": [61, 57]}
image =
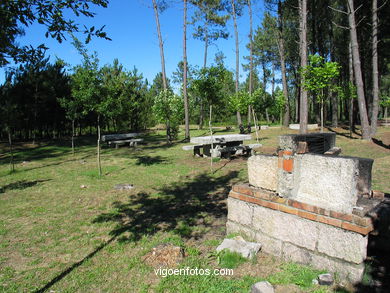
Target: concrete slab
{"type": "Point", "coordinates": [220, 138]}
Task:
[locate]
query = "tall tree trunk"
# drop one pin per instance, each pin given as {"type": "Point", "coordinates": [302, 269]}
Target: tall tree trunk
{"type": "Point", "coordinates": [186, 112]}
{"type": "Point", "coordinates": [206, 44]}
{"type": "Point", "coordinates": [303, 107]}
{"type": "Point", "coordinates": [239, 121]}
{"type": "Point", "coordinates": [273, 79]}
{"type": "Point", "coordinates": [201, 115]}
{"type": "Point", "coordinates": [265, 86]}
{"type": "Point", "coordinates": [73, 137]}
{"type": "Point", "coordinates": [98, 146]}
{"type": "Point", "coordinates": [365, 126]}
{"type": "Point", "coordinates": [161, 44]}
{"type": "Point", "coordinates": [375, 78]}
{"type": "Point", "coordinates": [286, 116]}
{"type": "Point", "coordinates": [351, 101]}
{"type": "Point", "coordinates": [250, 60]}
{"type": "Point", "coordinates": [35, 112]}
{"type": "Point", "coordinates": [335, 109]}
{"type": "Point", "coordinates": [11, 151]}
{"type": "Point", "coordinates": [206, 47]}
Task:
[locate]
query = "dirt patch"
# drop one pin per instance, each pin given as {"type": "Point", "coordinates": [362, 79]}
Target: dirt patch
{"type": "Point", "coordinates": [267, 150]}
{"type": "Point", "coordinates": [263, 266]}
{"type": "Point", "coordinates": [164, 255]}
{"type": "Point", "coordinates": [290, 288]}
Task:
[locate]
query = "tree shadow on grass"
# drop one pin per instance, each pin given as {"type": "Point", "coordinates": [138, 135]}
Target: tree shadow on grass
{"type": "Point", "coordinates": [19, 185]}
{"type": "Point", "coordinates": [44, 149]}
{"type": "Point", "coordinates": [146, 160]}
{"type": "Point", "coordinates": [178, 208]}
{"type": "Point", "coordinates": [345, 134]}
{"type": "Point", "coordinates": [381, 143]}
{"type": "Point", "coordinates": [63, 274]}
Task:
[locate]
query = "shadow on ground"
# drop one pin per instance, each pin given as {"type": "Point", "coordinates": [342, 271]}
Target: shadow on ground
{"type": "Point", "coordinates": [345, 134]}
{"type": "Point", "coordinates": [146, 160]}
{"type": "Point", "coordinates": [44, 149]}
{"type": "Point", "coordinates": [377, 275]}
{"type": "Point", "coordinates": [19, 185]}
{"type": "Point", "coordinates": [381, 143]}
{"type": "Point", "coordinates": [178, 208]}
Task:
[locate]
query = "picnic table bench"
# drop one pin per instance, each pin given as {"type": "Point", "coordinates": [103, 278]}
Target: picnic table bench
{"type": "Point", "coordinates": [121, 139]}
{"type": "Point", "coordinates": [221, 145]}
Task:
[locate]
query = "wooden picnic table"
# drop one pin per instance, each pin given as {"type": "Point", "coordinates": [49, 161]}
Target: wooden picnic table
{"type": "Point", "coordinates": [218, 145]}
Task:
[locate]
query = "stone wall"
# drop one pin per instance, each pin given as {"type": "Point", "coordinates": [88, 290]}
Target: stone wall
{"type": "Point", "coordinates": [262, 171]}
{"type": "Point", "coordinates": [332, 182]}
{"type": "Point", "coordinates": [300, 232]}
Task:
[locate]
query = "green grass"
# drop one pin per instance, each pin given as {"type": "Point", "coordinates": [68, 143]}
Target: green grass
{"type": "Point", "coordinates": [292, 273]}
{"type": "Point", "coordinates": [57, 236]}
{"type": "Point", "coordinates": [230, 260]}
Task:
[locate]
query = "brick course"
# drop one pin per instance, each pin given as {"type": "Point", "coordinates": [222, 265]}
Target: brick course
{"type": "Point", "coordinates": [349, 222]}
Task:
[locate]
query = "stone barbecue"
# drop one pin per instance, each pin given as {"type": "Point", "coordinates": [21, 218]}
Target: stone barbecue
{"type": "Point", "coordinates": [307, 206]}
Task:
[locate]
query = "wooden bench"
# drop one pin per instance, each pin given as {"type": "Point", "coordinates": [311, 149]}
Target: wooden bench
{"type": "Point", "coordinates": [122, 139]}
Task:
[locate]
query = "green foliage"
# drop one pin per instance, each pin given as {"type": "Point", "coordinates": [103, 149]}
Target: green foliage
{"type": "Point", "coordinates": [319, 75]}
{"type": "Point", "coordinates": [86, 83]}
{"type": "Point", "coordinates": [385, 89]}
{"type": "Point", "coordinates": [168, 108]}
{"type": "Point", "coordinates": [30, 95]}
{"type": "Point", "coordinates": [126, 97]}
{"type": "Point", "coordinates": [385, 101]}
{"type": "Point", "coordinates": [211, 20]}
{"type": "Point", "coordinates": [265, 48]}
{"type": "Point", "coordinates": [279, 103]}
{"type": "Point", "coordinates": [56, 16]}
{"type": "Point", "coordinates": [211, 86]}
{"type": "Point", "coordinates": [240, 102]}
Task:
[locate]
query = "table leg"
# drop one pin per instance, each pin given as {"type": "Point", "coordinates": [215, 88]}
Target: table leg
{"type": "Point", "coordinates": [207, 150]}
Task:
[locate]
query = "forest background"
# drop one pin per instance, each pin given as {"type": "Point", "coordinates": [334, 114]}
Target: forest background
{"type": "Point", "coordinates": [328, 57]}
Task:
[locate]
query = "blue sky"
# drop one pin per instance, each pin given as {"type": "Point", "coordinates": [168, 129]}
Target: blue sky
{"type": "Point", "coordinates": [131, 26]}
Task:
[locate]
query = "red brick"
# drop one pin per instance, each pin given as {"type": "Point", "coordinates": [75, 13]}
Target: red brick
{"type": "Point", "coordinates": [329, 221]}
{"type": "Point", "coordinates": [243, 188]}
{"type": "Point", "coordinates": [322, 211]}
{"type": "Point", "coordinates": [306, 215]}
{"type": "Point", "coordinates": [262, 194]}
{"type": "Point", "coordinates": [361, 221]}
{"type": "Point", "coordinates": [249, 199]}
{"type": "Point", "coordinates": [233, 194]}
{"type": "Point", "coordinates": [356, 228]}
{"type": "Point", "coordinates": [288, 165]}
{"type": "Point", "coordinates": [304, 206]}
{"type": "Point", "coordinates": [341, 216]}
{"type": "Point", "coordinates": [378, 194]}
{"type": "Point", "coordinates": [280, 162]}
{"type": "Point", "coordinates": [268, 204]}
{"type": "Point", "coordinates": [287, 209]}
{"type": "Point", "coordinates": [279, 199]}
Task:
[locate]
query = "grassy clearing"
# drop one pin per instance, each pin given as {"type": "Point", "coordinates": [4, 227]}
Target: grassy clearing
{"type": "Point", "coordinates": [57, 236]}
